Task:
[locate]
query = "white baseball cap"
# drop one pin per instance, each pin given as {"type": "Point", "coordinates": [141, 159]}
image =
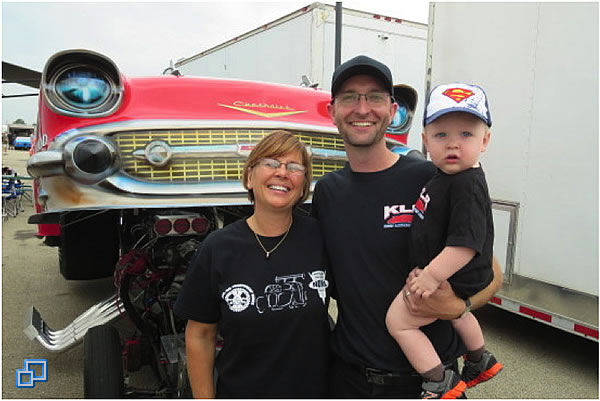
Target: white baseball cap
{"type": "Point", "coordinates": [448, 98]}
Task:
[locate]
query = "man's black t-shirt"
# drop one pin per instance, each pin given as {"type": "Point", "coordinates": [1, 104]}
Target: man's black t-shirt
{"type": "Point", "coordinates": [271, 313]}
{"type": "Point", "coordinates": [456, 210]}
{"type": "Point", "coordinates": [365, 219]}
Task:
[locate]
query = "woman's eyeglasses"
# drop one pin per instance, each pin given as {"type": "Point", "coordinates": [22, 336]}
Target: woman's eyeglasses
{"type": "Point", "coordinates": [274, 164]}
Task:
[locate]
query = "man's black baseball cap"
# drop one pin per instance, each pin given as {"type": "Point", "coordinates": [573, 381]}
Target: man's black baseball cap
{"type": "Point", "coordinates": [361, 65]}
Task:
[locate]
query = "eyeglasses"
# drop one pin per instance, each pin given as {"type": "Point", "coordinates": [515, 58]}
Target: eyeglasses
{"type": "Point", "coordinates": [372, 98]}
{"type": "Point", "coordinates": [274, 164]}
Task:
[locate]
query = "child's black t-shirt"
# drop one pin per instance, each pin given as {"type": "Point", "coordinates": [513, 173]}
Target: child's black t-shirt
{"type": "Point", "coordinates": [456, 210]}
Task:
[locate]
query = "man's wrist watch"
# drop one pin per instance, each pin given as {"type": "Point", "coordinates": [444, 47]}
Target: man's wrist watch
{"type": "Point", "coordinates": [467, 308]}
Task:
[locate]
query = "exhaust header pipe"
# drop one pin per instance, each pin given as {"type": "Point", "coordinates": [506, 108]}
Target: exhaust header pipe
{"type": "Point", "coordinates": [62, 340]}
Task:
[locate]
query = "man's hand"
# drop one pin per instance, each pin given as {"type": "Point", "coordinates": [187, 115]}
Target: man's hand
{"type": "Point", "coordinates": [442, 304]}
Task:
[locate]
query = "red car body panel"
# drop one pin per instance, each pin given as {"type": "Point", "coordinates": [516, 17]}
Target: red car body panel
{"type": "Point", "coordinates": [183, 102]}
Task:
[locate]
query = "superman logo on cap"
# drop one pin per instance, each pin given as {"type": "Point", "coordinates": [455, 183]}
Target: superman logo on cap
{"type": "Point", "coordinates": [458, 94]}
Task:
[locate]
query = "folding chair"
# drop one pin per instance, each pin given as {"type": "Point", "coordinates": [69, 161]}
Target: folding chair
{"type": "Point", "coordinates": [10, 199]}
{"type": "Point", "coordinates": [20, 193]}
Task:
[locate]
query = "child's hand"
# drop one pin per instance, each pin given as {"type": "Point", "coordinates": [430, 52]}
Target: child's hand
{"type": "Point", "coordinates": [423, 284]}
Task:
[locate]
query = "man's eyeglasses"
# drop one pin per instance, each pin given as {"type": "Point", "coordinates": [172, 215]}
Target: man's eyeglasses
{"type": "Point", "coordinates": [274, 164]}
{"type": "Point", "coordinates": [372, 98]}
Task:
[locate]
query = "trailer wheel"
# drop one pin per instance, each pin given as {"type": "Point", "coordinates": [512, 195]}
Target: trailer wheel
{"type": "Point", "coordinates": [102, 363]}
{"type": "Point", "coordinates": [88, 247]}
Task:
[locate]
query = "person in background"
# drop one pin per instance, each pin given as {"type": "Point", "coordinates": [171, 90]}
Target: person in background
{"type": "Point", "coordinates": [452, 237]}
{"type": "Point", "coordinates": [365, 213]}
{"type": "Point", "coordinates": [4, 142]}
{"type": "Point", "coordinates": [263, 284]}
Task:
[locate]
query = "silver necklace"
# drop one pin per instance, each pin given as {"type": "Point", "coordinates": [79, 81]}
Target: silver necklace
{"type": "Point", "coordinates": [268, 253]}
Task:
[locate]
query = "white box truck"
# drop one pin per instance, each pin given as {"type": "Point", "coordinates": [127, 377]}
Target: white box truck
{"type": "Point", "coordinates": [538, 63]}
{"type": "Point", "coordinates": [303, 43]}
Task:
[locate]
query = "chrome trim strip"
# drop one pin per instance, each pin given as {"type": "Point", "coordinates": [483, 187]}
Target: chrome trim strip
{"type": "Point", "coordinates": [329, 154]}
{"type": "Point", "coordinates": [239, 150]}
{"type": "Point", "coordinates": [140, 125]}
{"type": "Point", "coordinates": [46, 163]}
{"type": "Point", "coordinates": [128, 184]}
{"type": "Point", "coordinates": [201, 151]}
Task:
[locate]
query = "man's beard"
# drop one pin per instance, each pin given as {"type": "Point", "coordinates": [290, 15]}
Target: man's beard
{"type": "Point", "coordinates": [376, 138]}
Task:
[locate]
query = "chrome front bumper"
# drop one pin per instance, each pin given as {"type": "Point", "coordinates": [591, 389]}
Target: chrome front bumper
{"type": "Point", "coordinates": [167, 162]}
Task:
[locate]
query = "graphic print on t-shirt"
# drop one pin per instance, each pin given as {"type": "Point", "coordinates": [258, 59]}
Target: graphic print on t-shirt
{"type": "Point", "coordinates": [421, 206]}
{"type": "Point", "coordinates": [319, 283]}
{"type": "Point", "coordinates": [286, 292]}
{"type": "Point", "coordinates": [238, 297]}
{"type": "Point", "coordinates": [397, 216]}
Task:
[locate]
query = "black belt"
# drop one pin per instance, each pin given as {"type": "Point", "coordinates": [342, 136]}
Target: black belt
{"type": "Point", "coordinates": [382, 377]}
{"type": "Point", "coordinates": [385, 377]}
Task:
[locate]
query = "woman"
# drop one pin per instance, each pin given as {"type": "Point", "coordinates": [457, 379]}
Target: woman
{"type": "Point", "coordinates": [262, 283]}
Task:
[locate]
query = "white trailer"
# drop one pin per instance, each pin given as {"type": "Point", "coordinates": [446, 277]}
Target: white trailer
{"type": "Point", "coordinates": [303, 43]}
{"type": "Point", "coordinates": [538, 63]}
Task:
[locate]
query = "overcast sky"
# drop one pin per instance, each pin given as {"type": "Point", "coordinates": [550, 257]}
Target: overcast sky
{"type": "Point", "coordinates": [142, 37]}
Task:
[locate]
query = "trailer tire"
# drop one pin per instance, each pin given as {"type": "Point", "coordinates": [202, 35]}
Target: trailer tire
{"type": "Point", "coordinates": [88, 247]}
{"type": "Point", "coordinates": [102, 363]}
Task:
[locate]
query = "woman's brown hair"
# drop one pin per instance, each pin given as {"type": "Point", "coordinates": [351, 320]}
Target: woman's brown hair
{"type": "Point", "coordinates": [277, 144]}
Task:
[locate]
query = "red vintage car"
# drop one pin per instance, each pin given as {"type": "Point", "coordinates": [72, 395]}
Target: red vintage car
{"type": "Point", "coordinates": [145, 168]}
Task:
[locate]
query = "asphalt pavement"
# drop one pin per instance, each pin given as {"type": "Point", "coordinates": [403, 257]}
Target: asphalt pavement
{"type": "Point", "coordinates": [540, 361]}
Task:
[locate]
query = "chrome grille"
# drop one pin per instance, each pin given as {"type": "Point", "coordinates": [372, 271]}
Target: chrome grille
{"type": "Point", "coordinates": [192, 170]}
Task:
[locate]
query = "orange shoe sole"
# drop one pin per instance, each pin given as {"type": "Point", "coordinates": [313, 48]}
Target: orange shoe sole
{"type": "Point", "coordinates": [455, 392]}
{"type": "Point", "coordinates": [485, 376]}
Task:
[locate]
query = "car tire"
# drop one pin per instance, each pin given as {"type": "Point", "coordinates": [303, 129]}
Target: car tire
{"type": "Point", "coordinates": [89, 247]}
{"type": "Point", "coordinates": [102, 363]}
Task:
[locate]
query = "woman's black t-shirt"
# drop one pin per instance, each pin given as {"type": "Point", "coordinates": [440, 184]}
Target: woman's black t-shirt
{"type": "Point", "coordinates": [272, 314]}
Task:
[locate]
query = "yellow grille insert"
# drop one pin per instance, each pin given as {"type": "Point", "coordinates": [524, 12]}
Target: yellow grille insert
{"type": "Point", "coordinates": [209, 169]}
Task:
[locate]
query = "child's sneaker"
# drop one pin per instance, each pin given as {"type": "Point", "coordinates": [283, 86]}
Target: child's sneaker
{"type": "Point", "coordinates": [474, 373]}
{"type": "Point", "coordinates": [451, 387]}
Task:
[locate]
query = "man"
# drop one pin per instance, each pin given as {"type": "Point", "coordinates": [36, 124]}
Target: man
{"type": "Point", "coordinates": [365, 211]}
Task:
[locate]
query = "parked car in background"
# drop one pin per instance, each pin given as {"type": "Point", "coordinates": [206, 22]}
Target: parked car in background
{"type": "Point", "coordinates": [22, 142]}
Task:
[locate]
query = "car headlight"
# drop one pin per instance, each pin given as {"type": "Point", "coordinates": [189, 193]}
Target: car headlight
{"type": "Point", "coordinates": [90, 159]}
{"type": "Point", "coordinates": [82, 84]}
{"type": "Point", "coordinates": [82, 88]}
{"type": "Point", "coordinates": [401, 120]}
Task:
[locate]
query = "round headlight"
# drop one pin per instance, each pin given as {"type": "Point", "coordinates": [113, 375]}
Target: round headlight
{"type": "Point", "coordinates": [90, 159]}
{"type": "Point", "coordinates": [83, 88]}
{"type": "Point", "coordinates": [83, 84]}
